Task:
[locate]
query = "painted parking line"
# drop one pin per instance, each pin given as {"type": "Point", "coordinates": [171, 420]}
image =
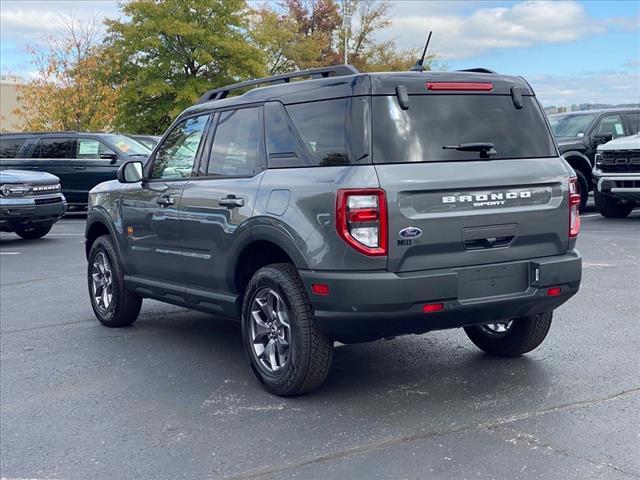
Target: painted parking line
{"type": "Point", "coordinates": [10, 253]}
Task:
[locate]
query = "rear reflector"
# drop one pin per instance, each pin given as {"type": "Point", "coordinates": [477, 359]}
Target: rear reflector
{"type": "Point", "coordinates": [554, 291]}
{"type": "Point", "coordinates": [321, 289]}
{"type": "Point", "coordinates": [460, 86]}
{"type": "Point", "coordinates": [432, 307]}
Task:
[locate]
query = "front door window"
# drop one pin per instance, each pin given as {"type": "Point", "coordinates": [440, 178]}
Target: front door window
{"type": "Point", "coordinates": [177, 154]}
{"type": "Point", "coordinates": [611, 124]}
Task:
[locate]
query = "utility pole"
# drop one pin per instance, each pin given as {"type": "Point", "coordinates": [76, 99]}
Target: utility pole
{"type": "Point", "coordinates": [346, 28]}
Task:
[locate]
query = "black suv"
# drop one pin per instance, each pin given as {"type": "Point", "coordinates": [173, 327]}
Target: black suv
{"type": "Point", "coordinates": [79, 160]}
{"type": "Point", "coordinates": [579, 133]}
{"type": "Point", "coordinates": [349, 206]}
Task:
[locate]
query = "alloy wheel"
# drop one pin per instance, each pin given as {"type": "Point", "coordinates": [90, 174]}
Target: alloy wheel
{"type": "Point", "coordinates": [102, 282]}
{"type": "Point", "coordinates": [497, 328]}
{"type": "Point", "coordinates": [270, 330]}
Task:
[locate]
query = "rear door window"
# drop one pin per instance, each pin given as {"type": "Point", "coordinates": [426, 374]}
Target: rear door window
{"type": "Point", "coordinates": [10, 147]}
{"type": "Point", "coordinates": [284, 148]}
{"type": "Point", "coordinates": [323, 129]}
{"type": "Point", "coordinates": [56, 147]}
{"type": "Point", "coordinates": [436, 121]}
{"type": "Point", "coordinates": [235, 151]}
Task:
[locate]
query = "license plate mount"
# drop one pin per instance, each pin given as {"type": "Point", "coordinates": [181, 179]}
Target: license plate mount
{"type": "Point", "coordinates": [492, 280]}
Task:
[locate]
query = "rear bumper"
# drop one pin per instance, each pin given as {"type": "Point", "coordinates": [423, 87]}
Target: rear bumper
{"type": "Point", "coordinates": [17, 213]}
{"type": "Point", "coordinates": [365, 306]}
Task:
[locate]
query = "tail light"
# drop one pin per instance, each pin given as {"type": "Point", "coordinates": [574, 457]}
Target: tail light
{"type": "Point", "coordinates": [574, 207]}
{"type": "Point", "coordinates": [361, 220]}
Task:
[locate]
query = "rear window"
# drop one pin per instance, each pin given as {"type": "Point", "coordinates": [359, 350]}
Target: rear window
{"type": "Point", "coordinates": [434, 121]}
{"type": "Point", "coordinates": [9, 147]}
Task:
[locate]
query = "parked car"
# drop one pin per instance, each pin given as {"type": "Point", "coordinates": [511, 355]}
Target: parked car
{"type": "Point", "coordinates": [30, 203]}
{"type": "Point", "coordinates": [579, 133]}
{"type": "Point", "coordinates": [79, 160]}
{"type": "Point", "coordinates": [351, 207]}
{"type": "Point", "coordinates": [150, 141]}
{"type": "Point", "coordinates": [617, 176]}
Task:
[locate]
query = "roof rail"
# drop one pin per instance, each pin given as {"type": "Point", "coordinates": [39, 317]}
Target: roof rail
{"type": "Point", "coordinates": [478, 70]}
{"type": "Point", "coordinates": [323, 72]}
{"type": "Point", "coordinates": [60, 132]}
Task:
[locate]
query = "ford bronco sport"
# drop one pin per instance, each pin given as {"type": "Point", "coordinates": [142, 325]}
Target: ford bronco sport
{"type": "Point", "coordinates": [346, 206]}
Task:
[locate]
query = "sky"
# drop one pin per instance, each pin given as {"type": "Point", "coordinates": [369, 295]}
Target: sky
{"type": "Point", "coordinates": [570, 51]}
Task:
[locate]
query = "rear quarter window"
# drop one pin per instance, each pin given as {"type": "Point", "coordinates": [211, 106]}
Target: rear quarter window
{"type": "Point", "coordinates": [323, 129]}
{"type": "Point", "coordinates": [10, 147]}
{"type": "Point", "coordinates": [434, 121]}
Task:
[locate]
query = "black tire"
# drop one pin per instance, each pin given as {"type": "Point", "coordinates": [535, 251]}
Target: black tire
{"type": "Point", "coordinates": [33, 233]}
{"type": "Point", "coordinates": [611, 207]}
{"type": "Point", "coordinates": [583, 186]}
{"type": "Point", "coordinates": [311, 351]}
{"type": "Point", "coordinates": [125, 305]}
{"type": "Point", "coordinates": [524, 335]}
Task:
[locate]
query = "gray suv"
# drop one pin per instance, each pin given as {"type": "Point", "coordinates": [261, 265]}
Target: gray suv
{"type": "Point", "coordinates": [346, 206]}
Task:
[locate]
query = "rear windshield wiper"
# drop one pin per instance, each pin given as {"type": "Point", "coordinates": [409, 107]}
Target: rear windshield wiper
{"type": "Point", "coordinates": [486, 149]}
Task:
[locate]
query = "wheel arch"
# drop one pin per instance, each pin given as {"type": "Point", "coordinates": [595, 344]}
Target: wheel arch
{"type": "Point", "coordinates": [579, 161]}
{"type": "Point", "coordinates": [265, 245]}
{"type": "Point", "coordinates": [99, 224]}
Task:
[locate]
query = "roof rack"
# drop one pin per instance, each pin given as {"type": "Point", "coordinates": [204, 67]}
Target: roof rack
{"type": "Point", "coordinates": [323, 72]}
{"type": "Point", "coordinates": [478, 70]}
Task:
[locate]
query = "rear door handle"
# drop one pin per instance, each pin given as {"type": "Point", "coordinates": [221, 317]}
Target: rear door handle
{"type": "Point", "coordinates": [80, 168]}
{"type": "Point", "coordinates": [231, 201]}
{"type": "Point", "coordinates": [166, 200]}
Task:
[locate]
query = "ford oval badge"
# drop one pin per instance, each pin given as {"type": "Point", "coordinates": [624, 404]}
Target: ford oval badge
{"type": "Point", "coordinates": [411, 232]}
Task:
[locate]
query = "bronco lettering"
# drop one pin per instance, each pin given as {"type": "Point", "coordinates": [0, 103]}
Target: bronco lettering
{"type": "Point", "coordinates": [479, 199]}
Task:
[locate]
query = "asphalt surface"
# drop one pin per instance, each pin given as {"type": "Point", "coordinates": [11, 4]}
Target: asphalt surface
{"type": "Point", "coordinates": [172, 397]}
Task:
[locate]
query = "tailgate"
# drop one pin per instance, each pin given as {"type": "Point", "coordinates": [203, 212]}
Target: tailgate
{"type": "Point", "coordinates": [454, 214]}
{"type": "Point", "coordinates": [471, 177]}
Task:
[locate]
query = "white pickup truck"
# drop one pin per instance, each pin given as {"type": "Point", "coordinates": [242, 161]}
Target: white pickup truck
{"type": "Point", "coordinates": [617, 176]}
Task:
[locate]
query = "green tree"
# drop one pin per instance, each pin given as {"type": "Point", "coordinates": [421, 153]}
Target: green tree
{"type": "Point", "coordinates": [299, 34]}
{"type": "Point", "coordinates": [172, 51]}
{"type": "Point", "coordinates": [296, 34]}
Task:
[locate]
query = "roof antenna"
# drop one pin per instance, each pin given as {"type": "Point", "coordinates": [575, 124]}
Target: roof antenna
{"type": "Point", "coordinates": [418, 67]}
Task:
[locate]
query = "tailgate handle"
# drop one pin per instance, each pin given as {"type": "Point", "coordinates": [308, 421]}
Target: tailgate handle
{"type": "Point", "coordinates": [489, 237]}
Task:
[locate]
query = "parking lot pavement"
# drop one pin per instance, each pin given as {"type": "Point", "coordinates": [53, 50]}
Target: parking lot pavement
{"type": "Point", "coordinates": [172, 396]}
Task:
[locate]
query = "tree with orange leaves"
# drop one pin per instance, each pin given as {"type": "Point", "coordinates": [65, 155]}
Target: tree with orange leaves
{"type": "Point", "coordinates": [70, 90]}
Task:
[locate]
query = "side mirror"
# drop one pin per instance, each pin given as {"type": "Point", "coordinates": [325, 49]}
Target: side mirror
{"type": "Point", "coordinates": [109, 156]}
{"type": "Point", "coordinates": [603, 138]}
{"type": "Point", "coordinates": [130, 172]}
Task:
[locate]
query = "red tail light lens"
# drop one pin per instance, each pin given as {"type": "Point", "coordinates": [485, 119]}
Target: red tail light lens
{"type": "Point", "coordinates": [460, 86]}
{"type": "Point", "coordinates": [361, 220]}
{"type": "Point", "coordinates": [574, 207]}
